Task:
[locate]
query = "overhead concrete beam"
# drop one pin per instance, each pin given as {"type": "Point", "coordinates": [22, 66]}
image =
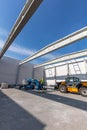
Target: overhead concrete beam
{"type": "Point", "coordinates": [26, 13]}
{"type": "Point", "coordinates": [64, 58]}
{"type": "Point", "coordinates": [78, 35]}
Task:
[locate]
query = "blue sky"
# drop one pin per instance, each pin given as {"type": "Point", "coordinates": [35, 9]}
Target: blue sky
{"type": "Point", "coordinates": [53, 20]}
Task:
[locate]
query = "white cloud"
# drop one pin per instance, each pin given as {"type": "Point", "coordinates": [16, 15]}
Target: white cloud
{"type": "Point", "coordinates": [19, 49]}
{"type": "Point", "coordinates": [27, 52]}
{"type": "Point", "coordinates": [23, 51]}
{"type": "Point", "coordinates": [49, 56]}
{"type": "Point", "coordinates": [3, 32]}
{"type": "Point", "coordinates": [1, 43]}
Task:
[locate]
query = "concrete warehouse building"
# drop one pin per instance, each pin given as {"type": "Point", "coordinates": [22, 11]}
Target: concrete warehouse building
{"type": "Point", "coordinates": [12, 73]}
{"type": "Point", "coordinates": [30, 104]}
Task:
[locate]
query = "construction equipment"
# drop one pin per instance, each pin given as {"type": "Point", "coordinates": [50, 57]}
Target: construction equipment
{"type": "Point", "coordinates": [72, 84]}
{"type": "Point", "coordinates": [32, 84]}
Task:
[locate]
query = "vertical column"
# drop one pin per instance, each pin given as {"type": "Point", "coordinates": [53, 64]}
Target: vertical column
{"type": "Point", "coordinates": [55, 75]}
{"type": "Point", "coordinates": [85, 68]}
{"type": "Point", "coordinates": [17, 74]}
{"type": "Point", "coordinates": [44, 70]}
{"type": "Point", "coordinates": [33, 70]}
{"type": "Point", "coordinates": [44, 73]}
{"type": "Point", "coordinates": [67, 69]}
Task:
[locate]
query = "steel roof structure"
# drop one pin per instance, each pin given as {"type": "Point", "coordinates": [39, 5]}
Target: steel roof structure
{"type": "Point", "coordinates": [78, 35]}
{"type": "Point", "coordinates": [63, 58]}
{"type": "Point", "coordinates": [26, 13]}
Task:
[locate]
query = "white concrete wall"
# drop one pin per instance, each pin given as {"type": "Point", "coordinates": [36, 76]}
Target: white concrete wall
{"type": "Point", "coordinates": [9, 71]}
{"type": "Point", "coordinates": [50, 76]}
{"type": "Point", "coordinates": [38, 73]}
{"type": "Point", "coordinates": [77, 68]}
{"type": "Point", "coordinates": [60, 72]}
{"type": "Point", "coordinates": [25, 71]}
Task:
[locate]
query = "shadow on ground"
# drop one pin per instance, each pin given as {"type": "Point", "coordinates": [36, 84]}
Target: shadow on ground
{"type": "Point", "coordinates": [14, 117]}
{"type": "Point", "coordinates": [61, 99]}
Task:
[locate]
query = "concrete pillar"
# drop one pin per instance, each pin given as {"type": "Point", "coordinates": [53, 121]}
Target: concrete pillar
{"type": "Point", "coordinates": [17, 74]}
{"type": "Point", "coordinates": [85, 67]}
{"type": "Point", "coordinates": [67, 69]}
{"type": "Point", "coordinates": [33, 73]}
{"type": "Point", "coordinates": [55, 74]}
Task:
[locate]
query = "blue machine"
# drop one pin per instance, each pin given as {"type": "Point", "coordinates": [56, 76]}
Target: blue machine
{"type": "Point", "coordinates": [31, 84]}
{"type": "Point", "coordinates": [37, 84]}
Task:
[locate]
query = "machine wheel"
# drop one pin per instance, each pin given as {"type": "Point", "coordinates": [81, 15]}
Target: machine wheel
{"type": "Point", "coordinates": [83, 91]}
{"type": "Point", "coordinates": [62, 88]}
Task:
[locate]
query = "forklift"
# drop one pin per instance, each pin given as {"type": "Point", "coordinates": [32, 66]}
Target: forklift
{"type": "Point", "coordinates": [72, 84]}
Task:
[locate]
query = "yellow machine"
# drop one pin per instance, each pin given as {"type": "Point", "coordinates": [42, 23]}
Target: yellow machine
{"type": "Point", "coordinates": [72, 84]}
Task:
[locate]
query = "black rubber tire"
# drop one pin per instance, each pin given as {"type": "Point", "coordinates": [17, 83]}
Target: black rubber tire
{"type": "Point", "coordinates": [56, 87]}
{"type": "Point", "coordinates": [83, 91]}
{"type": "Point", "coordinates": [62, 88]}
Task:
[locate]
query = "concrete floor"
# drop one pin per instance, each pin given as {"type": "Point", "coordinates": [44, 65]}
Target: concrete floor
{"type": "Point", "coordinates": [51, 110]}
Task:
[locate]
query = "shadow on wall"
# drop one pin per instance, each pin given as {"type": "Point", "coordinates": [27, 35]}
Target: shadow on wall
{"type": "Point", "coordinates": [13, 117]}
{"type": "Point", "coordinates": [51, 80]}
{"type": "Point", "coordinates": [61, 99]}
{"type": "Point", "coordinates": [81, 76]}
